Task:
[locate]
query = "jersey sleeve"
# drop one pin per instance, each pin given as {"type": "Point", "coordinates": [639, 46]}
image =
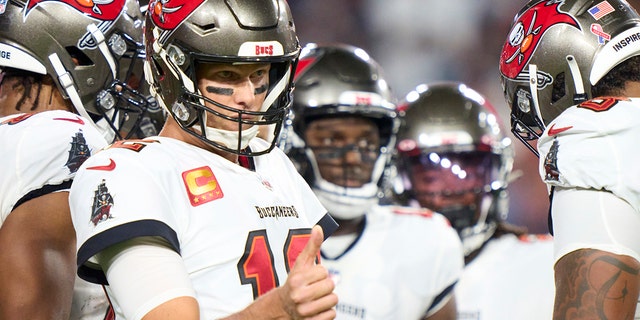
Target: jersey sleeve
{"type": "Point", "coordinates": [435, 258]}
{"type": "Point", "coordinates": [41, 154]}
{"type": "Point", "coordinates": [115, 197]}
{"type": "Point", "coordinates": [450, 261]}
{"type": "Point", "coordinates": [594, 146]}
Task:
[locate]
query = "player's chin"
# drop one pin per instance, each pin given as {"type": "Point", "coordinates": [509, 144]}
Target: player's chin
{"type": "Point", "coordinates": [349, 183]}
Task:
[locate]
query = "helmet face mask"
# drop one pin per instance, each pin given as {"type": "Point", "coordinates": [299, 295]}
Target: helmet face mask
{"type": "Point", "coordinates": [91, 61]}
{"type": "Point", "coordinates": [452, 157]}
{"type": "Point", "coordinates": [556, 51]}
{"type": "Point", "coordinates": [342, 127]}
{"type": "Point", "coordinates": [345, 155]}
{"type": "Point", "coordinates": [137, 115]}
{"type": "Point", "coordinates": [181, 40]}
{"type": "Point", "coordinates": [451, 183]}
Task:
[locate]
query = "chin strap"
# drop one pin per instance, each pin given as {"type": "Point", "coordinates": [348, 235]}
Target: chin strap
{"type": "Point", "coordinates": [276, 90]}
{"type": "Point", "coordinates": [533, 88]}
{"type": "Point", "coordinates": [66, 82]}
{"type": "Point", "coordinates": [580, 94]}
{"type": "Point", "coordinates": [98, 36]}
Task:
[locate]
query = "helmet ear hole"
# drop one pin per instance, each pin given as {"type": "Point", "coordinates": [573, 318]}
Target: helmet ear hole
{"type": "Point", "coordinates": [79, 57]}
{"type": "Point", "coordinates": [559, 88]}
{"type": "Point", "coordinates": [206, 27]}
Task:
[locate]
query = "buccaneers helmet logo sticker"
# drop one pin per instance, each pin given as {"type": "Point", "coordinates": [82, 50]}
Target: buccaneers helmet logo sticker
{"type": "Point", "coordinates": [105, 10]}
{"type": "Point", "coordinates": [169, 14]}
{"type": "Point", "coordinates": [527, 33]}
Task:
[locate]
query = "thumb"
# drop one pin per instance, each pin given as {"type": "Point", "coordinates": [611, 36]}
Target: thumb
{"type": "Point", "coordinates": [308, 255]}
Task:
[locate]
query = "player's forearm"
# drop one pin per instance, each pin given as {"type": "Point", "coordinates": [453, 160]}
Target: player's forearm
{"type": "Point", "coordinates": [279, 303]}
{"type": "Point", "coordinates": [268, 306]}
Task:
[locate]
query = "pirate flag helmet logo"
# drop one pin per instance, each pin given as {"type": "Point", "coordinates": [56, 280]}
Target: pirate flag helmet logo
{"type": "Point", "coordinates": [169, 14]}
{"type": "Point", "coordinates": [526, 33]}
{"type": "Point", "coordinates": [105, 10]}
{"type": "Point", "coordinates": [555, 53]}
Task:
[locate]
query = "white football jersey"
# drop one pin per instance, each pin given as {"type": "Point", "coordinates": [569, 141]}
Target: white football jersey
{"type": "Point", "coordinates": [40, 154]}
{"type": "Point", "coordinates": [511, 278]}
{"type": "Point", "coordinates": [237, 230]}
{"type": "Point", "coordinates": [403, 265]}
{"type": "Point", "coordinates": [595, 146]}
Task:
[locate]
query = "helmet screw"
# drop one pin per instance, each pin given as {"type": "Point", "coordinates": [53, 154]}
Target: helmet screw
{"type": "Point", "coordinates": [180, 111]}
{"type": "Point", "coordinates": [118, 45]}
{"type": "Point", "coordinates": [176, 55]}
{"type": "Point", "coordinates": [106, 100]}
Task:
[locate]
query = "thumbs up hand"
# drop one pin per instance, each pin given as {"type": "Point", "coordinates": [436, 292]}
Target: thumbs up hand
{"type": "Point", "coordinates": [308, 291]}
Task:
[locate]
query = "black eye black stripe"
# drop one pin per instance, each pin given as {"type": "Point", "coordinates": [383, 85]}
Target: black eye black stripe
{"type": "Point", "coordinates": [218, 90]}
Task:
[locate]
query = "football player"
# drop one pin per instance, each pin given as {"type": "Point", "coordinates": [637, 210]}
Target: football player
{"type": "Point", "coordinates": [63, 90]}
{"type": "Point", "coordinates": [207, 220]}
{"type": "Point", "coordinates": [569, 71]}
{"type": "Point", "coordinates": [388, 262]}
{"type": "Point", "coordinates": [452, 157]}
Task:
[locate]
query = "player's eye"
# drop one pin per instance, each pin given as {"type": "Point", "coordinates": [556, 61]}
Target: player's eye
{"type": "Point", "coordinates": [225, 75]}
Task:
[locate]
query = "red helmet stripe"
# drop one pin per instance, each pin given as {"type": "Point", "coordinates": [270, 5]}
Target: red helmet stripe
{"type": "Point", "coordinates": [104, 10]}
{"type": "Point", "coordinates": [527, 33]}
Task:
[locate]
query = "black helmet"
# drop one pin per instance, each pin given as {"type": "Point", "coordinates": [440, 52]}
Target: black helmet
{"type": "Point", "coordinates": [453, 158]}
{"type": "Point", "coordinates": [556, 51]}
{"type": "Point", "coordinates": [93, 53]}
{"type": "Point", "coordinates": [336, 80]}
{"type": "Point", "coordinates": [179, 35]}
